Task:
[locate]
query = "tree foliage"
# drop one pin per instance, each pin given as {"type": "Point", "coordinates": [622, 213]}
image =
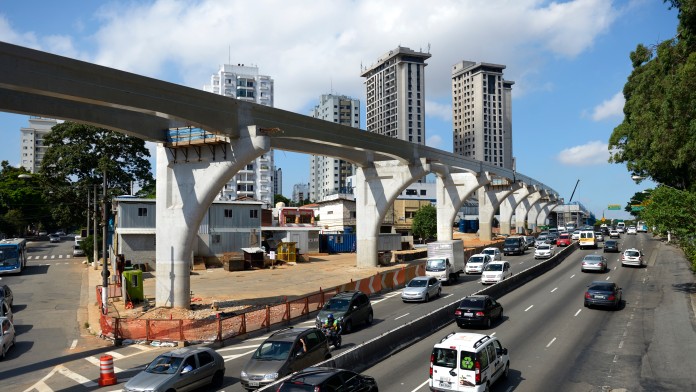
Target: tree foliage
{"type": "Point", "coordinates": [657, 137]}
{"type": "Point", "coordinates": [281, 199]}
{"type": "Point", "coordinates": [638, 198]}
{"type": "Point", "coordinates": [672, 210]}
{"type": "Point", "coordinates": [76, 160]}
{"type": "Point", "coordinates": [424, 222]}
{"type": "Point", "coordinates": [22, 203]}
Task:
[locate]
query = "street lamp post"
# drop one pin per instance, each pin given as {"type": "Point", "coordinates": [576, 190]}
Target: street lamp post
{"type": "Point", "coordinates": [105, 269]}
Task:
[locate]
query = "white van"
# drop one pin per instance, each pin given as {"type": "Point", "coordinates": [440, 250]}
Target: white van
{"type": "Point", "coordinates": [587, 239]}
{"type": "Point", "coordinates": [467, 362]}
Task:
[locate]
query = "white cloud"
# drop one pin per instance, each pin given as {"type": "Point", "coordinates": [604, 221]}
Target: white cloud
{"type": "Point", "coordinates": [434, 141]}
{"type": "Point", "coordinates": [309, 52]}
{"type": "Point", "coordinates": [610, 108]}
{"type": "Point", "coordinates": [589, 154]}
{"type": "Point", "coordinates": [436, 109]}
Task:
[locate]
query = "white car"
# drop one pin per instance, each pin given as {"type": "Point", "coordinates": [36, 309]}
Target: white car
{"type": "Point", "coordinates": [495, 272]}
{"type": "Point", "coordinates": [632, 257]}
{"type": "Point", "coordinates": [477, 263]}
{"type": "Point", "coordinates": [544, 251]}
{"type": "Point", "coordinates": [631, 230]}
{"type": "Point", "coordinates": [575, 236]}
{"type": "Point", "coordinates": [494, 253]}
{"type": "Point", "coordinates": [7, 339]}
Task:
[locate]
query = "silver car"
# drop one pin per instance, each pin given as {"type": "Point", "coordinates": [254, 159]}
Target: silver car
{"type": "Point", "coordinates": [594, 263]}
{"type": "Point", "coordinates": [7, 338]}
{"type": "Point", "coordinates": [184, 369]}
{"type": "Point", "coordinates": [421, 288]}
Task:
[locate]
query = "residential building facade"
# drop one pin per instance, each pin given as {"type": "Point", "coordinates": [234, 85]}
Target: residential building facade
{"type": "Point", "coordinates": [395, 90]}
{"type": "Point", "coordinates": [482, 113]}
{"type": "Point", "coordinates": [32, 148]}
{"type": "Point", "coordinates": [243, 82]}
{"type": "Point", "coordinates": [300, 193]}
{"type": "Point", "coordinates": [328, 175]}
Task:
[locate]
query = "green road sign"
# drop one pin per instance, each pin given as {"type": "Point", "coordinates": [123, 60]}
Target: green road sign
{"type": "Point", "coordinates": [637, 208]}
{"type": "Point", "coordinates": [614, 207]}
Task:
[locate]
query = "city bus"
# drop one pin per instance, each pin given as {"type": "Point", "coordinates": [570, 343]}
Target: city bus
{"type": "Point", "coordinates": [13, 255]}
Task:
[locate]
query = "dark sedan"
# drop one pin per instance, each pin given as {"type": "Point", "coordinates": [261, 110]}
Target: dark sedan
{"type": "Point", "coordinates": [6, 295]}
{"type": "Point", "coordinates": [478, 310]}
{"type": "Point", "coordinates": [328, 379]}
{"type": "Point", "coordinates": [603, 293]}
{"type": "Point", "coordinates": [611, 246]}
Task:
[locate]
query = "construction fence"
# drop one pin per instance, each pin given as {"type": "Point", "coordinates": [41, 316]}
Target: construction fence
{"type": "Point", "coordinates": [221, 327]}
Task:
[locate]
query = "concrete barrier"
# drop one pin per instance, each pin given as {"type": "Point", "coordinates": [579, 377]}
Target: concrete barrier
{"type": "Point", "coordinates": [380, 347]}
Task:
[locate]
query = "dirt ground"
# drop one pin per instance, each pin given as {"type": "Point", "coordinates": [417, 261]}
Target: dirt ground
{"type": "Point", "coordinates": [208, 306]}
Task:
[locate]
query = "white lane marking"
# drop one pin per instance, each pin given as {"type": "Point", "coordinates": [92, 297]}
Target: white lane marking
{"type": "Point", "coordinates": [614, 268]}
{"type": "Point", "coordinates": [448, 295]}
{"type": "Point", "coordinates": [421, 386]}
{"type": "Point", "coordinates": [97, 362]}
{"type": "Point", "coordinates": [621, 344]}
{"type": "Point", "coordinates": [74, 344]}
{"type": "Point", "coordinates": [616, 358]}
{"type": "Point", "coordinates": [631, 317]}
{"type": "Point", "coordinates": [235, 356]}
{"type": "Point", "coordinates": [77, 377]}
{"type": "Point", "coordinates": [40, 385]}
{"type": "Point", "coordinates": [115, 355]}
{"type": "Point", "coordinates": [493, 333]}
{"type": "Point", "coordinates": [45, 257]}
{"type": "Point", "coordinates": [577, 313]}
{"type": "Point", "coordinates": [235, 348]}
{"type": "Point", "coordinates": [551, 342]}
{"type": "Point", "coordinates": [572, 276]}
{"type": "Point", "coordinates": [628, 324]}
{"type": "Point", "coordinates": [554, 289]}
{"type": "Point", "coordinates": [402, 316]}
{"type": "Point", "coordinates": [625, 333]}
{"type": "Point", "coordinates": [607, 278]}
{"type": "Point", "coordinates": [530, 306]}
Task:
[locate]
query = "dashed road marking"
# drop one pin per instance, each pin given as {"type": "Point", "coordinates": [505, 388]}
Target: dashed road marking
{"type": "Point", "coordinates": [577, 313]}
{"type": "Point", "coordinates": [554, 289]}
{"type": "Point", "coordinates": [74, 344]}
{"type": "Point", "coordinates": [621, 344]}
{"type": "Point", "coordinates": [572, 276]}
{"type": "Point", "coordinates": [235, 356]}
{"type": "Point", "coordinates": [551, 342]}
{"type": "Point", "coordinates": [530, 306]}
{"type": "Point", "coordinates": [607, 278]}
{"type": "Point", "coordinates": [235, 348]}
{"type": "Point", "coordinates": [616, 358]}
{"type": "Point", "coordinates": [402, 316]}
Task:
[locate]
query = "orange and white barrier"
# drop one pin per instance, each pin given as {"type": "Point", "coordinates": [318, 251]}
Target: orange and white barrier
{"type": "Point", "coordinates": [106, 376]}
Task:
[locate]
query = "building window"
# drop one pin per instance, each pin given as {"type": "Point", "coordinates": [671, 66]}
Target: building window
{"type": "Point", "coordinates": [142, 211]}
{"type": "Point", "coordinates": [423, 192]}
{"type": "Point", "coordinates": [228, 213]}
{"type": "Point", "coordinates": [254, 214]}
{"type": "Point", "coordinates": [411, 192]}
{"type": "Point", "coordinates": [215, 238]}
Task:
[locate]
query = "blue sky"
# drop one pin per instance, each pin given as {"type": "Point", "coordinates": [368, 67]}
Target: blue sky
{"type": "Point", "coordinates": [569, 61]}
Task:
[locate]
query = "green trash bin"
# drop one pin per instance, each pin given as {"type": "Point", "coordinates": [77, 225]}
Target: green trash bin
{"type": "Point", "coordinates": [133, 280]}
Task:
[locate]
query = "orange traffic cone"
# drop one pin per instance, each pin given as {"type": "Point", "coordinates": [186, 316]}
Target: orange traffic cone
{"type": "Point", "coordinates": [107, 376]}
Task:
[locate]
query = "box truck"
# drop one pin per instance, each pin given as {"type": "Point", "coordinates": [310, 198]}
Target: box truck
{"type": "Point", "coordinates": [445, 260]}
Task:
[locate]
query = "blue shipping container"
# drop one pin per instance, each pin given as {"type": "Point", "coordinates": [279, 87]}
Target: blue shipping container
{"type": "Point", "coordinates": [337, 243]}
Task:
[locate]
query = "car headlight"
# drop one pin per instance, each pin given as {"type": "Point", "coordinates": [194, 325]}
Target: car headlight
{"type": "Point", "coordinates": [270, 376]}
{"type": "Point", "coordinates": [243, 374]}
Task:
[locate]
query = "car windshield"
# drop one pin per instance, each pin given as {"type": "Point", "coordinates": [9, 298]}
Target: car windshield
{"type": "Point", "coordinates": [602, 287]}
{"type": "Point", "coordinates": [610, 243]}
{"type": "Point", "coordinates": [337, 304]}
{"type": "Point", "coordinates": [418, 283]}
{"type": "Point", "coordinates": [564, 236]}
{"type": "Point", "coordinates": [543, 247]}
{"type": "Point", "coordinates": [164, 364]}
{"type": "Point", "coordinates": [273, 351]}
{"type": "Point", "coordinates": [8, 254]}
{"type": "Point", "coordinates": [632, 253]}
{"type": "Point", "coordinates": [542, 238]}
{"type": "Point", "coordinates": [476, 259]}
{"type": "Point", "coordinates": [489, 251]}
{"type": "Point", "coordinates": [593, 258]}
{"type": "Point", "coordinates": [512, 242]}
{"type": "Point", "coordinates": [494, 267]}
{"type": "Point", "coordinates": [435, 265]}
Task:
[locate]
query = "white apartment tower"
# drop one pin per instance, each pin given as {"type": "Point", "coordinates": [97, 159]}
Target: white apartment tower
{"type": "Point", "coordinates": [482, 113]}
{"type": "Point", "coordinates": [300, 193]}
{"type": "Point", "coordinates": [257, 180]}
{"type": "Point", "coordinates": [395, 88]}
{"type": "Point", "coordinates": [32, 148]}
{"type": "Point", "coordinates": [327, 174]}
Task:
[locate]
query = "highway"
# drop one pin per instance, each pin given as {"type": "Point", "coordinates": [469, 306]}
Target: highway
{"type": "Point", "coordinates": [557, 344]}
{"type": "Point", "coordinates": [553, 340]}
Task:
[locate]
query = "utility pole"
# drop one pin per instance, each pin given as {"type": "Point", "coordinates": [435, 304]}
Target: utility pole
{"type": "Point", "coordinates": [105, 269]}
{"type": "Point", "coordinates": [95, 248]}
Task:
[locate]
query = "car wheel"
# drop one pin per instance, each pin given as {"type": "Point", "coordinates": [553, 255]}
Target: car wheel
{"type": "Point", "coordinates": [488, 322]}
{"type": "Point", "coordinates": [500, 316]}
{"type": "Point", "coordinates": [439, 292]}
{"type": "Point", "coordinates": [370, 317]}
{"type": "Point", "coordinates": [348, 327]}
{"type": "Point", "coordinates": [218, 378]}
{"type": "Point", "coordinates": [427, 298]}
{"type": "Point", "coordinates": [585, 304]}
{"type": "Point", "coordinates": [506, 372]}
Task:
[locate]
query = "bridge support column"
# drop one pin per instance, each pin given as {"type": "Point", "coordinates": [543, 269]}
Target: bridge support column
{"type": "Point", "coordinates": [522, 221]}
{"type": "Point", "coordinates": [508, 206]}
{"type": "Point", "coordinates": [489, 199]}
{"type": "Point", "coordinates": [377, 186]}
{"type": "Point", "coordinates": [452, 191]}
{"type": "Point", "coordinates": [185, 190]}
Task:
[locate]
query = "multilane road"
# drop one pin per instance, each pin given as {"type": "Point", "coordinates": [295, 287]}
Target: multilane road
{"type": "Point", "coordinates": [552, 339]}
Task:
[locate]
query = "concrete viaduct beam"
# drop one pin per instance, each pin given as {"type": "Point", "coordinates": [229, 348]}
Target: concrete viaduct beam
{"type": "Point", "coordinates": [453, 189]}
{"type": "Point", "coordinates": [509, 205]}
{"type": "Point", "coordinates": [490, 198]}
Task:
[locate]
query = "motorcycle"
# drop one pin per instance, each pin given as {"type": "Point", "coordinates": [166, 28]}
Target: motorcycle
{"type": "Point", "coordinates": [334, 336]}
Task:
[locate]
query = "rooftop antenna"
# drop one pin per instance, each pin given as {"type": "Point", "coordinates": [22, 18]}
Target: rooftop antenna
{"type": "Point", "coordinates": [428, 47]}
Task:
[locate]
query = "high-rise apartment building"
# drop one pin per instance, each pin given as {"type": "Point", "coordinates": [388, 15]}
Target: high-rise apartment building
{"type": "Point", "coordinates": [482, 113]}
{"type": "Point", "coordinates": [327, 174]}
{"type": "Point", "coordinates": [300, 193]}
{"type": "Point", "coordinates": [32, 148]}
{"type": "Point", "coordinates": [278, 182]}
{"type": "Point", "coordinates": [395, 88]}
{"type": "Point", "coordinates": [257, 179]}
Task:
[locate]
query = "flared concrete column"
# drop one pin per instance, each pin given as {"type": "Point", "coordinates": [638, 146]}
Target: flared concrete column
{"type": "Point", "coordinates": [535, 212]}
{"type": "Point", "coordinates": [545, 211]}
{"type": "Point", "coordinates": [489, 198]}
{"type": "Point", "coordinates": [522, 221]}
{"type": "Point", "coordinates": [508, 207]}
{"type": "Point", "coordinates": [452, 191]}
{"type": "Point", "coordinates": [185, 190]}
{"type": "Point", "coordinates": [376, 188]}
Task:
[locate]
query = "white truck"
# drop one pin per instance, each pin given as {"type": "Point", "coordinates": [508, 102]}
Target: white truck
{"type": "Point", "coordinates": [445, 260]}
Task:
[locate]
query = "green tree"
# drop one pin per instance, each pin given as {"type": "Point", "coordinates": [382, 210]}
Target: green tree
{"type": "Point", "coordinates": [657, 137]}
{"type": "Point", "coordinates": [670, 209]}
{"type": "Point", "coordinates": [278, 198]}
{"type": "Point", "coordinates": [22, 203]}
{"type": "Point", "coordinates": [76, 160]}
{"type": "Point", "coordinates": [425, 222]}
{"type": "Point", "coordinates": [637, 199]}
